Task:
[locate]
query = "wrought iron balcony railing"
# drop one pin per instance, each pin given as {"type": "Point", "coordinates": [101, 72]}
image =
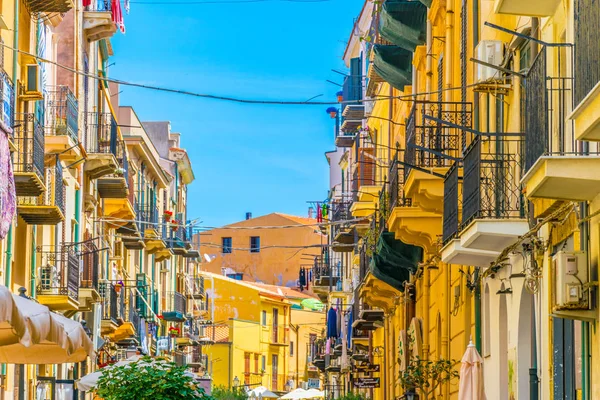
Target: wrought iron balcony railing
{"type": "Point", "coordinates": [112, 301]}
{"type": "Point", "coordinates": [147, 216]}
{"type": "Point", "coordinates": [91, 262]}
{"type": "Point", "coordinates": [7, 114]}
{"type": "Point", "coordinates": [433, 138]}
{"type": "Point", "coordinates": [452, 197]}
{"type": "Point", "coordinates": [58, 272]}
{"type": "Point", "coordinates": [29, 141]}
{"type": "Point", "coordinates": [196, 289]}
{"type": "Point", "coordinates": [101, 136]}
{"type": "Point", "coordinates": [340, 210]}
{"type": "Point", "coordinates": [62, 113]}
{"type": "Point", "coordinates": [492, 172]}
{"type": "Point", "coordinates": [396, 184]}
{"type": "Point", "coordinates": [49, 6]}
{"type": "Point", "coordinates": [175, 302]}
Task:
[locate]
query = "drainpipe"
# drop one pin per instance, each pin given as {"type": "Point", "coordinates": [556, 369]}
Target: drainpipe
{"type": "Point", "coordinates": [429, 62]}
{"type": "Point", "coordinates": [446, 328]}
{"type": "Point", "coordinates": [32, 262]}
{"type": "Point", "coordinates": [477, 311]}
{"type": "Point", "coordinates": [476, 117]}
{"type": "Point", "coordinates": [449, 54]}
{"type": "Point", "coordinates": [426, 285]}
{"type": "Point", "coordinates": [77, 211]}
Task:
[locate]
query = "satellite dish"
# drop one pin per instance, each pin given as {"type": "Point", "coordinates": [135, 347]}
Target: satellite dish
{"type": "Point", "coordinates": [208, 258]}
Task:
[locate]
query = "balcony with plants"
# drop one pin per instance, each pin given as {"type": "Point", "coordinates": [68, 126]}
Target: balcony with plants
{"type": "Point", "coordinates": [57, 285]}
{"type": "Point", "coordinates": [113, 305]}
{"type": "Point", "coordinates": [486, 212]}
{"type": "Point", "coordinates": [560, 163]}
{"type": "Point", "coordinates": [177, 239]}
{"type": "Point", "coordinates": [62, 125]}
{"type": "Point", "coordinates": [47, 208]}
{"type": "Point", "coordinates": [154, 229]}
{"type": "Point", "coordinates": [101, 145]}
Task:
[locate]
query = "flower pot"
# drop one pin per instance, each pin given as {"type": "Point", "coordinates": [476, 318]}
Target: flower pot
{"type": "Point", "coordinates": [333, 114]}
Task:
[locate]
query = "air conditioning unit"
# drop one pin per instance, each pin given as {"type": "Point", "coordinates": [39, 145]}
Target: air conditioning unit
{"type": "Point", "coordinates": [491, 52]}
{"type": "Point", "coordinates": [33, 82]}
{"type": "Point", "coordinates": [572, 275]}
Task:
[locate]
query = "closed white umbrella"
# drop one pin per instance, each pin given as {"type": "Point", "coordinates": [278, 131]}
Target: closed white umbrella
{"type": "Point", "coordinates": [471, 375]}
{"type": "Point", "coordinates": [90, 381]}
{"type": "Point", "coordinates": [315, 394]}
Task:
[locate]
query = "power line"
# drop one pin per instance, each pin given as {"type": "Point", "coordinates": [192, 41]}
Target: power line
{"type": "Point", "coordinates": [225, 2]}
{"type": "Point", "coordinates": [409, 97]}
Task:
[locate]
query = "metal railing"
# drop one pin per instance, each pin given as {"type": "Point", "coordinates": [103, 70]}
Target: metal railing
{"type": "Point", "coordinates": [364, 164]}
{"type": "Point", "coordinates": [324, 269]}
{"type": "Point", "coordinates": [175, 301]}
{"type": "Point", "coordinates": [396, 185]}
{"type": "Point", "coordinates": [101, 135]}
{"type": "Point", "coordinates": [586, 38]}
{"type": "Point", "coordinates": [340, 210]}
{"type": "Point", "coordinates": [54, 194]}
{"type": "Point", "coordinates": [132, 313]}
{"type": "Point", "coordinates": [91, 263]}
{"type": "Point", "coordinates": [144, 292]}
{"type": "Point", "coordinates": [492, 172]}
{"type": "Point", "coordinates": [29, 141]}
{"type": "Point", "coordinates": [7, 88]}
{"type": "Point", "coordinates": [147, 217]}
{"type": "Point", "coordinates": [196, 288]}
{"type": "Point", "coordinates": [112, 301]}
{"type": "Point", "coordinates": [100, 5]}
{"type": "Point", "coordinates": [62, 113]}
{"type": "Point", "coordinates": [431, 143]}
{"type": "Point", "coordinates": [452, 189]}
{"type": "Point", "coordinates": [58, 272]}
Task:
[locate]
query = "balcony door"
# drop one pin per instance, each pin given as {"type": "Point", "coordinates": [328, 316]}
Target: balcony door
{"type": "Point", "coordinates": [274, 373]}
{"type": "Point", "coordinates": [275, 325]}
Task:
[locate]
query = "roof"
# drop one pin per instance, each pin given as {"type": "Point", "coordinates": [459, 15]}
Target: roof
{"type": "Point", "coordinates": [256, 221]}
{"type": "Point", "coordinates": [217, 333]}
{"type": "Point", "coordinates": [261, 290]}
{"type": "Point", "coordinates": [288, 292]}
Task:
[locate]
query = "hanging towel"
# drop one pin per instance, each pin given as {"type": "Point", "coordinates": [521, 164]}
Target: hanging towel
{"type": "Point", "coordinates": [117, 15]}
{"type": "Point", "coordinates": [319, 213]}
{"type": "Point", "coordinates": [8, 196]}
{"type": "Point", "coordinates": [324, 211]}
{"type": "Point", "coordinates": [332, 323]}
{"type": "Point", "coordinates": [86, 3]}
{"type": "Point", "coordinates": [328, 347]}
{"type": "Point", "coordinates": [349, 329]}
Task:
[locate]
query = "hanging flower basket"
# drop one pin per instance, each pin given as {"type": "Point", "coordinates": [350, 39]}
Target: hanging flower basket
{"type": "Point", "coordinates": [332, 111]}
{"type": "Point", "coordinates": [174, 331]}
{"type": "Point", "coordinates": [340, 96]}
{"type": "Point", "coordinates": [168, 214]}
{"type": "Point", "coordinates": [119, 286]}
{"type": "Point", "coordinates": [175, 225]}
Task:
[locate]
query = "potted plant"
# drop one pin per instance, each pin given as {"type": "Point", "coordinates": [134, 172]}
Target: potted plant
{"type": "Point", "coordinates": [340, 96]}
{"type": "Point", "coordinates": [167, 214]}
{"type": "Point", "coordinates": [119, 286]}
{"type": "Point", "coordinates": [174, 331]}
{"type": "Point", "coordinates": [175, 225]}
{"type": "Point", "coordinates": [332, 111]}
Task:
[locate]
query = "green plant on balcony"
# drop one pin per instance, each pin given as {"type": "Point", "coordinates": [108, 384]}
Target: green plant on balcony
{"type": "Point", "coordinates": [148, 378]}
{"type": "Point", "coordinates": [223, 393]}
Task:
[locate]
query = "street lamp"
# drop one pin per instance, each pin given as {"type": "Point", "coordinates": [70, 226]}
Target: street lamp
{"type": "Point", "coordinates": [236, 382]}
{"type": "Point", "coordinates": [411, 395]}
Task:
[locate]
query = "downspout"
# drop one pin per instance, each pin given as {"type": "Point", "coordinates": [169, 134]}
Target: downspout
{"type": "Point", "coordinates": [429, 62]}
{"type": "Point", "coordinates": [9, 236]}
{"type": "Point", "coordinates": [32, 261]}
{"type": "Point", "coordinates": [449, 55]}
{"type": "Point", "coordinates": [477, 311]}
{"type": "Point", "coordinates": [426, 284]}
{"type": "Point", "coordinates": [476, 126]}
{"type": "Point", "coordinates": [446, 330]}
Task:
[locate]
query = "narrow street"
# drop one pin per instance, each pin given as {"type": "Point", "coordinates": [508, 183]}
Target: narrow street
{"type": "Point", "coordinates": [299, 199]}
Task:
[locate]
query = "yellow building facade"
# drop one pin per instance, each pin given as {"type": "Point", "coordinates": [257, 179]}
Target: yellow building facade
{"type": "Point", "coordinates": [100, 233]}
{"type": "Point", "coordinates": [466, 145]}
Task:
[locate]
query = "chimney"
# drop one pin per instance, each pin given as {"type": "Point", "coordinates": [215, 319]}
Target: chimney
{"type": "Point", "coordinates": [311, 210]}
{"type": "Point", "coordinates": [248, 216]}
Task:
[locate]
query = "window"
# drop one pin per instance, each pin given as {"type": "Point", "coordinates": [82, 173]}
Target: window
{"type": "Point", "coordinates": [264, 318]}
{"type": "Point", "coordinates": [255, 363]}
{"type": "Point", "coordinates": [291, 349]}
{"type": "Point", "coordinates": [255, 244]}
{"type": "Point", "coordinates": [264, 363]}
{"type": "Point", "coordinates": [238, 276]}
{"type": "Point", "coordinates": [226, 245]}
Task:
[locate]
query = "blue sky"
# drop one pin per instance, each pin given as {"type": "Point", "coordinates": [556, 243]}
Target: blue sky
{"type": "Point", "coordinates": [246, 157]}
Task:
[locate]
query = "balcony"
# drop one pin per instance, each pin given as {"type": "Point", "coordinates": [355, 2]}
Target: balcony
{"type": "Point", "coordinates": [325, 277]}
{"type": "Point", "coordinates": [533, 8]}
{"type": "Point", "coordinates": [112, 306]}
{"type": "Point", "coordinates": [410, 224]}
{"type": "Point", "coordinates": [278, 336]}
{"type": "Point", "coordinates": [62, 127]}
{"type": "Point", "coordinates": [128, 316]}
{"type": "Point", "coordinates": [89, 285]}
{"type": "Point", "coordinates": [101, 145]}
{"type": "Point", "coordinates": [365, 186]}
{"type": "Point", "coordinates": [48, 6]}
{"type": "Point", "coordinates": [115, 186]}
{"type": "Point", "coordinates": [557, 165]}
{"type": "Point", "coordinates": [98, 21]}
{"type": "Point", "coordinates": [175, 309]}
{"type": "Point", "coordinates": [196, 289]}
{"type": "Point", "coordinates": [49, 207]}
{"type": "Point", "coordinates": [177, 241]}
{"type": "Point", "coordinates": [58, 278]}
{"type": "Point", "coordinates": [145, 298]}
{"type": "Point", "coordinates": [7, 113]}
{"type": "Point", "coordinates": [28, 158]}
{"type": "Point", "coordinates": [432, 145]}
{"type": "Point", "coordinates": [352, 113]}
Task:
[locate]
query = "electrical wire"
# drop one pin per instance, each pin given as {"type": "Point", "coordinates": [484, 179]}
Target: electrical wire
{"type": "Point", "coordinates": [409, 97]}
{"type": "Point", "coordinates": [152, 3]}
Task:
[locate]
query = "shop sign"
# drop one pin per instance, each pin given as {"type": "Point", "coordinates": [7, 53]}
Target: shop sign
{"type": "Point", "coordinates": [366, 383]}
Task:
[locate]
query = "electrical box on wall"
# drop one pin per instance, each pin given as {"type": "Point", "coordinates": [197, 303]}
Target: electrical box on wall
{"type": "Point", "coordinates": [571, 277]}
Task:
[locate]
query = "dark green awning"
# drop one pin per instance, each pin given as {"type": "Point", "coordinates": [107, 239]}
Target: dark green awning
{"type": "Point", "coordinates": [404, 23]}
{"type": "Point", "coordinates": [395, 260]}
{"type": "Point", "coordinates": [394, 65]}
{"type": "Point", "coordinates": [427, 2]}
